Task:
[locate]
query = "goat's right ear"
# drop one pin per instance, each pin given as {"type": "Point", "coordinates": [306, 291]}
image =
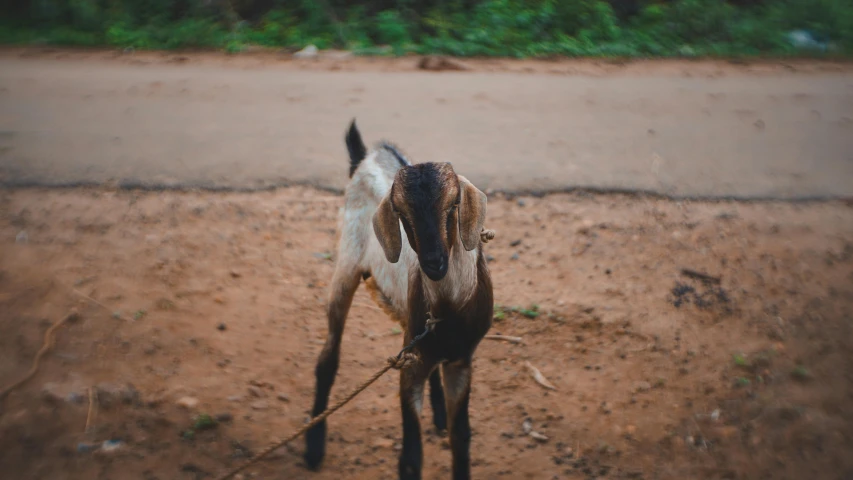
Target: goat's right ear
{"type": "Point", "coordinates": [386, 226]}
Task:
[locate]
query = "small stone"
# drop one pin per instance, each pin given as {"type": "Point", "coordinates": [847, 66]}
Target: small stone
{"type": "Point", "coordinates": [605, 408]}
{"type": "Point", "coordinates": [515, 243]}
{"type": "Point", "coordinates": [256, 391]}
{"type": "Point", "coordinates": [642, 387]}
{"type": "Point", "coordinates": [187, 402]}
{"type": "Point", "coordinates": [22, 237]}
{"type": "Point", "coordinates": [538, 437]}
{"type": "Point", "coordinates": [527, 426]}
{"type": "Point", "coordinates": [310, 51]}
{"type": "Point", "coordinates": [221, 327]}
{"type": "Point", "coordinates": [110, 446]}
{"type": "Point", "coordinates": [568, 452]}
{"type": "Point", "coordinates": [282, 397]}
{"type": "Point", "coordinates": [224, 417]}
{"type": "Point", "coordinates": [260, 405]}
{"type": "Point", "coordinates": [490, 258]}
{"type": "Point", "coordinates": [514, 256]}
{"type": "Point", "coordinates": [235, 398]}
{"type": "Point", "coordinates": [521, 202]}
{"type": "Point", "coordinates": [383, 443]}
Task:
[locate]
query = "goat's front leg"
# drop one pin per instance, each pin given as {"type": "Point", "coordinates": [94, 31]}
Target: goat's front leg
{"type": "Point", "coordinates": [457, 390]}
{"type": "Point", "coordinates": [412, 382]}
{"type": "Point", "coordinates": [344, 284]}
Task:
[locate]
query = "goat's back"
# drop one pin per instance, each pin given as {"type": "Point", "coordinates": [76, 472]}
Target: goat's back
{"type": "Point", "coordinates": [358, 247]}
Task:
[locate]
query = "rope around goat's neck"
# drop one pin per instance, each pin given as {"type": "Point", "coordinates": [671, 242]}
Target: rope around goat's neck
{"type": "Point", "coordinates": [401, 361]}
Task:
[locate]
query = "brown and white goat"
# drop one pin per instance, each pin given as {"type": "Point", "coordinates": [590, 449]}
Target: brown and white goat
{"type": "Point", "coordinates": [440, 270]}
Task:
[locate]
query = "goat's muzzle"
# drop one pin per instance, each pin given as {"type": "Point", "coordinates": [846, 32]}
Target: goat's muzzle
{"type": "Point", "coordinates": [434, 265]}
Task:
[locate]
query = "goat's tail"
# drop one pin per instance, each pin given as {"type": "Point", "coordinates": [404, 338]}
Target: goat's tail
{"type": "Point", "coordinates": [355, 147]}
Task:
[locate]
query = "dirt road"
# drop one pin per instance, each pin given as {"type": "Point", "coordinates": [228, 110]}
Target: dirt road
{"type": "Point", "coordinates": [689, 129]}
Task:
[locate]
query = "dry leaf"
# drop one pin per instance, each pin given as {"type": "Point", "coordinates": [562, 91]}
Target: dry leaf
{"type": "Point", "coordinates": [537, 375]}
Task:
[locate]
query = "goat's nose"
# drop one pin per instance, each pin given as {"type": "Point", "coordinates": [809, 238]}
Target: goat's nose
{"type": "Point", "coordinates": [434, 260]}
{"type": "Point", "coordinates": [434, 265]}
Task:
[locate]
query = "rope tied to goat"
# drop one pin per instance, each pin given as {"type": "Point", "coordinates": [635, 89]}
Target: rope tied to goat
{"type": "Point", "coordinates": [400, 361]}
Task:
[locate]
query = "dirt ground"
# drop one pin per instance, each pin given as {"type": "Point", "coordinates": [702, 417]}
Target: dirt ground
{"type": "Point", "coordinates": [213, 303]}
{"type": "Point", "coordinates": [685, 129]}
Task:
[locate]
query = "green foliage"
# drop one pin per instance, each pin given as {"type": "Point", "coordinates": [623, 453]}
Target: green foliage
{"type": "Point", "coordinates": [513, 28]}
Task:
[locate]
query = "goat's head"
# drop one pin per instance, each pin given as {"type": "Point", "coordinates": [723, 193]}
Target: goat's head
{"type": "Point", "coordinates": [435, 206]}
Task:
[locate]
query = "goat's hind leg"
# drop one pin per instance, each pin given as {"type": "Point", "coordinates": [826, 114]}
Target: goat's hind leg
{"type": "Point", "coordinates": [436, 400]}
{"type": "Point", "coordinates": [344, 284]}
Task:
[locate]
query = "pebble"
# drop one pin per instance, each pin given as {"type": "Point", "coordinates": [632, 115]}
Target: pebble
{"type": "Point", "coordinates": [256, 391]}
{"type": "Point", "coordinates": [383, 443]}
{"type": "Point", "coordinates": [187, 402]}
{"type": "Point", "coordinates": [642, 387]}
{"type": "Point", "coordinates": [224, 417]}
{"type": "Point", "coordinates": [235, 398]}
{"type": "Point", "coordinates": [22, 237]}
{"type": "Point", "coordinates": [221, 327]}
{"type": "Point", "coordinates": [310, 51]}
{"type": "Point", "coordinates": [527, 426]}
{"type": "Point", "coordinates": [514, 256]}
{"type": "Point", "coordinates": [282, 397]}
{"type": "Point", "coordinates": [260, 405]}
{"type": "Point", "coordinates": [521, 202]}
{"type": "Point", "coordinates": [515, 243]}
{"type": "Point", "coordinates": [110, 446]}
{"type": "Point", "coordinates": [538, 437]}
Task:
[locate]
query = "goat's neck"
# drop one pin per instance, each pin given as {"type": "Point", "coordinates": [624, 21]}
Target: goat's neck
{"type": "Point", "coordinates": [460, 283]}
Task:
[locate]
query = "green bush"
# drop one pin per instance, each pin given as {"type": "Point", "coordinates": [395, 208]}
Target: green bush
{"type": "Point", "coordinates": [516, 28]}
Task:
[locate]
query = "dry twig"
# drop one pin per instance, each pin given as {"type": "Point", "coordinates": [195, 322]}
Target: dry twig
{"type": "Point", "coordinates": [505, 338]}
{"type": "Point", "coordinates": [537, 375]}
{"type": "Point", "coordinates": [47, 345]}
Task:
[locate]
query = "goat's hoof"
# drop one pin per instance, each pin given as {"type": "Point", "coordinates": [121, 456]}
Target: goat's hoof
{"type": "Point", "coordinates": [313, 459]}
{"type": "Point", "coordinates": [440, 423]}
{"type": "Point", "coordinates": [315, 447]}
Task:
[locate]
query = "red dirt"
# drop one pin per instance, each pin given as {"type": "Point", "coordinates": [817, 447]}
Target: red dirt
{"type": "Point", "coordinates": [638, 378]}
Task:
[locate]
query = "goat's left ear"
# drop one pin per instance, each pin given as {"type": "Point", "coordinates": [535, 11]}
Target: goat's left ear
{"type": "Point", "coordinates": [386, 226]}
{"type": "Point", "coordinates": [472, 213]}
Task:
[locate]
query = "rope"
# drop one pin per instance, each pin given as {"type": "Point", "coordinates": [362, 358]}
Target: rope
{"type": "Point", "coordinates": [400, 361]}
{"type": "Point", "coordinates": [47, 345]}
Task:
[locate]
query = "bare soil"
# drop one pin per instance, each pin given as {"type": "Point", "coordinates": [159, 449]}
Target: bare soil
{"type": "Point", "coordinates": [220, 297]}
{"type": "Point", "coordinates": [685, 129]}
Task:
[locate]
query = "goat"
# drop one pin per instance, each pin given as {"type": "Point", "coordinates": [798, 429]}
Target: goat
{"type": "Point", "coordinates": [441, 271]}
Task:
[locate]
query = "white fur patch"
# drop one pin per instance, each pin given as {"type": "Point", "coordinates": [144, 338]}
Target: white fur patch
{"type": "Point", "coordinates": [359, 249]}
{"type": "Point", "coordinates": [460, 283]}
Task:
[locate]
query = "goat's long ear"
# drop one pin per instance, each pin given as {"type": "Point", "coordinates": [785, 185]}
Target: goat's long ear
{"type": "Point", "coordinates": [386, 225]}
{"type": "Point", "coordinates": [472, 213]}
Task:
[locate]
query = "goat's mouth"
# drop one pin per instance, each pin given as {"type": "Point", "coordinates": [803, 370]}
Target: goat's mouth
{"type": "Point", "coordinates": [435, 271]}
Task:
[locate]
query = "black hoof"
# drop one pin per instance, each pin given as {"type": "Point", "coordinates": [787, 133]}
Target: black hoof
{"type": "Point", "coordinates": [439, 419]}
{"type": "Point", "coordinates": [315, 447]}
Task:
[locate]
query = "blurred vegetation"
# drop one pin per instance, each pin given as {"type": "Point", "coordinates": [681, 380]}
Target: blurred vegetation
{"type": "Point", "coordinates": [514, 28]}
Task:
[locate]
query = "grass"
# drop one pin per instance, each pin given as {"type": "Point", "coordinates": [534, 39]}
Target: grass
{"type": "Point", "coordinates": [503, 28]}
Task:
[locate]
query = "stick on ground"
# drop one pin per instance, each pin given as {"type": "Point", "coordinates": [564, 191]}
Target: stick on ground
{"type": "Point", "coordinates": [47, 345]}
